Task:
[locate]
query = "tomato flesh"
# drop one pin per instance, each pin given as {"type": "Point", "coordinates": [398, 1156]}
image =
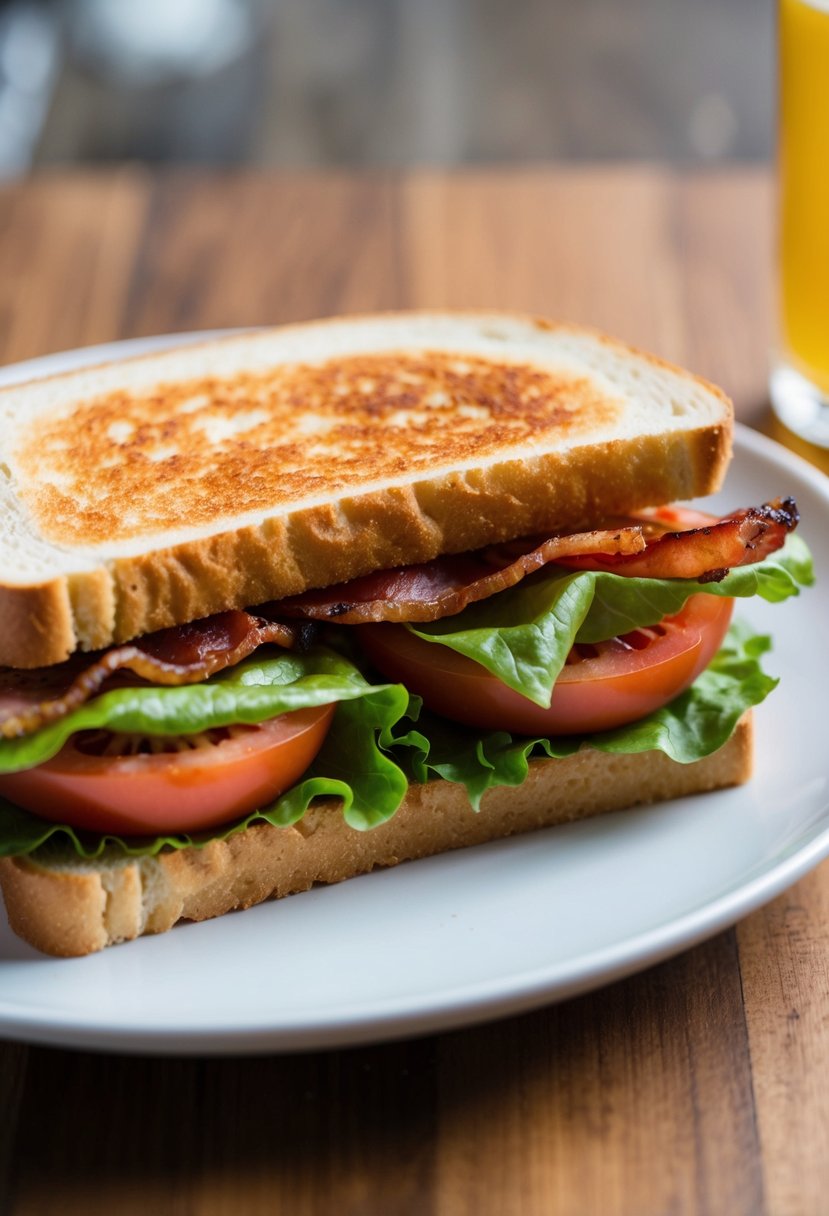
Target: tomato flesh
{"type": "Point", "coordinates": [602, 686]}
{"type": "Point", "coordinates": [200, 782]}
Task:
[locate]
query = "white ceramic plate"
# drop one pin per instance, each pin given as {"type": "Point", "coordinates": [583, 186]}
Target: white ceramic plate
{"type": "Point", "coordinates": [494, 930]}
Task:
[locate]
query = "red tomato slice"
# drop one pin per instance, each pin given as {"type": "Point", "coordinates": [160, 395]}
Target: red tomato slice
{"type": "Point", "coordinates": [144, 785]}
{"type": "Point", "coordinates": [602, 686]}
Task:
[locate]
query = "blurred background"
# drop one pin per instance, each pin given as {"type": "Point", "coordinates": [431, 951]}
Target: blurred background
{"type": "Point", "coordinates": [383, 82]}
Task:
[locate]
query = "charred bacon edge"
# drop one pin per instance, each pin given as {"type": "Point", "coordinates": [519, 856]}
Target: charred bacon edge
{"type": "Point", "coordinates": [708, 552]}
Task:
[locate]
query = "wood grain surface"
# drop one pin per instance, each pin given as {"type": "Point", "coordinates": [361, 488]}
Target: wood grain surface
{"type": "Point", "coordinates": [696, 1087]}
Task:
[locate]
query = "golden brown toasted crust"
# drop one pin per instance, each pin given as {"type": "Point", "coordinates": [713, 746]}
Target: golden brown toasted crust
{"type": "Point", "coordinates": [37, 624]}
{"type": "Point", "coordinates": [362, 530]}
{"type": "Point", "coordinates": [198, 450]}
{"type": "Point", "coordinates": [394, 527]}
{"type": "Point", "coordinates": [41, 624]}
{"type": "Point", "coordinates": [75, 910]}
{"type": "Point", "coordinates": [332, 543]}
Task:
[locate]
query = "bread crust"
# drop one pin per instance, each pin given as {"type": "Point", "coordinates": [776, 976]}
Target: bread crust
{"type": "Point", "coordinates": [396, 527]}
{"type": "Point", "coordinates": [331, 544]}
{"type": "Point", "coordinates": [361, 532]}
{"type": "Point", "coordinates": [43, 624]}
{"type": "Point", "coordinates": [77, 909]}
{"type": "Point", "coordinates": [37, 624]}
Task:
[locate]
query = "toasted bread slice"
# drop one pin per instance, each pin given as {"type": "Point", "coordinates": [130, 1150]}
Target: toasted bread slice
{"type": "Point", "coordinates": [157, 490]}
{"type": "Point", "coordinates": [67, 907]}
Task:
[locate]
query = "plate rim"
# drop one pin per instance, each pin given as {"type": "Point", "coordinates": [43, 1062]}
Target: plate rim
{"type": "Point", "coordinates": [446, 1009]}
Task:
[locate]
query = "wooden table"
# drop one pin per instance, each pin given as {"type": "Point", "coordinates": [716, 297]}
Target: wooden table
{"type": "Point", "coordinates": [697, 1087]}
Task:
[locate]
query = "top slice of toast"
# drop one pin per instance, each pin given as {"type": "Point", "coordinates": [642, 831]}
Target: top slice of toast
{"type": "Point", "coordinates": [156, 490]}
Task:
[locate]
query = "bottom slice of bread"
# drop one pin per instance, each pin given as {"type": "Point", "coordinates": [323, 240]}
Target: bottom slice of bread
{"type": "Point", "coordinates": [69, 907]}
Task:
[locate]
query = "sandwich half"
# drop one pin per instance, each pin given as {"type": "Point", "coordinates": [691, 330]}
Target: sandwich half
{"type": "Point", "coordinates": [281, 608]}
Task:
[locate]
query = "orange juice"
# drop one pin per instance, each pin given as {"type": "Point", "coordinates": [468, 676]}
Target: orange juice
{"type": "Point", "coordinates": [804, 187]}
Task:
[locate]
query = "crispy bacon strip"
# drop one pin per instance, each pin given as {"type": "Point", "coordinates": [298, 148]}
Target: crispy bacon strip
{"type": "Point", "coordinates": [186, 654]}
{"type": "Point", "coordinates": [445, 586]}
{"type": "Point", "coordinates": [638, 547]}
{"type": "Point", "coordinates": [706, 553]}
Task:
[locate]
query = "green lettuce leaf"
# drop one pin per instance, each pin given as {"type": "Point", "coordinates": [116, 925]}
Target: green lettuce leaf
{"type": "Point", "coordinates": [353, 764]}
{"type": "Point", "coordinates": [379, 741]}
{"type": "Point", "coordinates": [268, 684]}
{"type": "Point", "coordinates": [523, 635]}
{"type": "Point", "coordinates": [694, 725]}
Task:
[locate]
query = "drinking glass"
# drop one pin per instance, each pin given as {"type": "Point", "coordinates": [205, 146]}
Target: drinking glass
{"type": "Point", "coordinates": [800, 375]}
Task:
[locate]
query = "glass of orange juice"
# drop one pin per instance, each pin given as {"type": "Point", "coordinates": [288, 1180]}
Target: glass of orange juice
{"type": "Point", "coordinates": [800, 377]}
